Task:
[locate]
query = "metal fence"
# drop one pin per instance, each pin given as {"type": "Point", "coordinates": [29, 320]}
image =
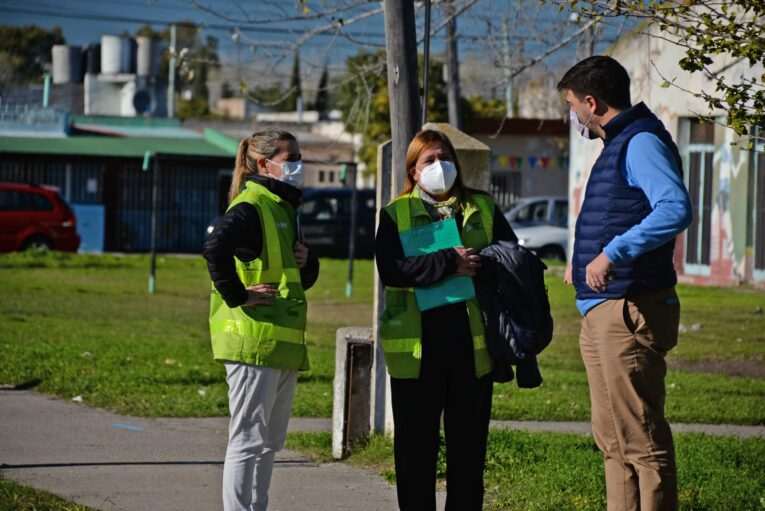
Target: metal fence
{"type": "Point", "coordinates": [188, 200]}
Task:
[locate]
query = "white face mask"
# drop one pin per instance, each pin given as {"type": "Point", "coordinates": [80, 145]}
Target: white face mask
{"type": "Point", "coordinates": [438, 177]}
{"type": "Point", "coordinates": [577, 124]}
{"type": "Point", "coordinates": [292, 172]}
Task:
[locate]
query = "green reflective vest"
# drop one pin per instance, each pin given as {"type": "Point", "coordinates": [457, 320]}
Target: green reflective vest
{"type": "Point", "coordinates": [265, 335]}
{"type": "Point", "coordinates": [401, 323]}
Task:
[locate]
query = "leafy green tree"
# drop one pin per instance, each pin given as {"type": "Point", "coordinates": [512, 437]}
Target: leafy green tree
{"type": "Point", "coordinates": [479, 106]}
{"type": "Point", "coordinates": [363, 101]}
{"type": "Point", "coordinates": [26, 51]}
{"type": "Point", "coordinates": [731, 29]}
{"type": "Point", "coordinates": [194, 58]}
{"type": "Point", "coordinates": [273, 97]}
{"type": "Point", "coordinates": [194, 107]}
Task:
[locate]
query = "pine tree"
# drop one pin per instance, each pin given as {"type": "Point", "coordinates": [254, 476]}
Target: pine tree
{"type": "Point", "coordinates": [295, 85]}
{"type": "Point", "coordinates": [322, 94]}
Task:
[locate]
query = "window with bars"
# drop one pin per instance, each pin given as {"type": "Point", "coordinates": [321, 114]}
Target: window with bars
{"type": "Point", "coordinates": [506, 188]}
{"type": "Point", "coordinates": [699, 160]}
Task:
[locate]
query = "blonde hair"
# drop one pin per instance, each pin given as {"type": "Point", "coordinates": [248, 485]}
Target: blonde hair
{"type": "Point", "coordinates": [262, 144]}
{"type": "Point", "coordinates": [423, 141]}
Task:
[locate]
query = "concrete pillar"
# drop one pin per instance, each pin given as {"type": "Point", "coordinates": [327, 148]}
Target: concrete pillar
{"type": "Point", "coordinates": [351, 409]}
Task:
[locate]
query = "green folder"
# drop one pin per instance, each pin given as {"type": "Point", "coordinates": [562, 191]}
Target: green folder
{"type": "Point", "coordinates": [429, 238]}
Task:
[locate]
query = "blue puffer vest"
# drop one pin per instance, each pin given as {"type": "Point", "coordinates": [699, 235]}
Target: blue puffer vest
{"type": "Point", "coordinates": [611, 207]}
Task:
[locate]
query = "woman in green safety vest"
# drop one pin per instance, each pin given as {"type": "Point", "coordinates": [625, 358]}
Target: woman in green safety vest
{"type": "Point", "coordinates": [259, 270]}
{"type": "Point", "coordinates": [437, 358]}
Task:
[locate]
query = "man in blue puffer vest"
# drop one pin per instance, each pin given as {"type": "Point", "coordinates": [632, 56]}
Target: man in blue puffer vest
{"type": "Point", "coordinates": [634, 206]}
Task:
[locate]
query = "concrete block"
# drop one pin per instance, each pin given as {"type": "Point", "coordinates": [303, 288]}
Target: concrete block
{"type": "Point", "coordinates": [474, 155]}
{"type": "Point", "coordinates": [351, 410]}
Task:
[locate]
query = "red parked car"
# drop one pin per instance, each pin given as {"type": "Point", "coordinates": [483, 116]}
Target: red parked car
{"type": "Point", "coordinates": [35, 217]}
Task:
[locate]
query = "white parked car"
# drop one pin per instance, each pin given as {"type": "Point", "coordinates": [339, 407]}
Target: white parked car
{"type": "Point", "coordinates": [541, 224]}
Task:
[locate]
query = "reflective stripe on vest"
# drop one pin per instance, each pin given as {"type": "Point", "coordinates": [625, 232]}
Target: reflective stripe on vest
{"type": "Point", "coordinates": [272, 335]}
{"type": "Point", "coordinates": [401, 322]}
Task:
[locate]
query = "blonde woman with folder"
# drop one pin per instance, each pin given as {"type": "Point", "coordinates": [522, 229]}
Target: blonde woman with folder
{"type": "Point", "coordinates": [426, 251]}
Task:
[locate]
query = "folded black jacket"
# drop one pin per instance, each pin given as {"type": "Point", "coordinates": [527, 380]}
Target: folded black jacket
{"type": "Point", "coordinates": [516, 312]}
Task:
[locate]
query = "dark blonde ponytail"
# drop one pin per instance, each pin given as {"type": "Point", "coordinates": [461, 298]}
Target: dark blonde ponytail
{"type": "Point", "coordinates": [241, 169]}
{"type": "Point", "coordinates": [262, 144]}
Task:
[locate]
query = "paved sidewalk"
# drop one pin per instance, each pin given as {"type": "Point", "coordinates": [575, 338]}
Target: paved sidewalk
{"type": "Point", "coordinates": [113, 462]}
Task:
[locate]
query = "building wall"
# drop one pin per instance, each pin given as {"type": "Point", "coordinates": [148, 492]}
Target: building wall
{"type": "Point", "coordinates": [534, 164]}
{"type": "Point", "coordinates": [650, 61]}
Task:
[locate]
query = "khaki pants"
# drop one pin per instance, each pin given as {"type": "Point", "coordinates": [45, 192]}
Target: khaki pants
{"type": "Point", "coordinates": [623, 343]}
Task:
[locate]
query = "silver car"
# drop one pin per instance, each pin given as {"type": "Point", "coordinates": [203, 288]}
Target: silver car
{"type": "Point", "coordinates": [541, 224]}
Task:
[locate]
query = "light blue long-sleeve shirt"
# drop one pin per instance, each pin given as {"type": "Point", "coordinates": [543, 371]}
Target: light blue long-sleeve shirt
{"type": "Point", "coordinates": [650, 166]}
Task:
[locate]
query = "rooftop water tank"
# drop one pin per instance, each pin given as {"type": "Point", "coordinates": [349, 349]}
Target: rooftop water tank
{"type": "Point", "coordinates": [128, 56]}
{"type": "Point", "coordinates": [92, 54]}
{"type": "Point", "coordinates": [147, 57]}
{"type": "Point", "coordinates": [66, 64]}
{"type": "Point", "coordinates": [111, 54]}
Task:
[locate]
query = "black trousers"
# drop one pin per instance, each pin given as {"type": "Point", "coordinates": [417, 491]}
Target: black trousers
{"type": "Point", "coordinates": [447, 384]}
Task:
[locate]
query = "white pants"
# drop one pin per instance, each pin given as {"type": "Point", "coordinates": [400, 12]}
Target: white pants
{"type": "Point", "coordinates": [259, 399]}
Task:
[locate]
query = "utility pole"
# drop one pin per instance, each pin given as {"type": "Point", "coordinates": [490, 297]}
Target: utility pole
{"type": "Point", "coordinates": [171, 75]}
{"type": "Point", "coordinates": [401, 44]}
{"type": "Point", "coordinates": [426, 65]}
{"type": "Point", "coordinates": [403, 85]}
{"type": "Point", "coordinates": [453, 70]}
{"type": "Point", "coordinates": [149, 158]}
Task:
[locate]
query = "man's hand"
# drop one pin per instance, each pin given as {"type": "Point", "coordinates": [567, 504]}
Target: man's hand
{"type": "Point", "coordinates": [260, 294]}
{"type": "Point", "coordinates": [568, 276]}
{"type": "Point", "coordinates": [469, 261]}
{"type": "Point", "coordinates": [598, 273]}
{"type": "Point", "coordinates": [301, 255]}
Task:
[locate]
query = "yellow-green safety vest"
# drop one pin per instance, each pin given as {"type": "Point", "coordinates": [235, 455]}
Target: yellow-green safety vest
{"type": "Point", "coordinates": [401, 322]}
{"type": "Point", "coordinates": [265, 335]}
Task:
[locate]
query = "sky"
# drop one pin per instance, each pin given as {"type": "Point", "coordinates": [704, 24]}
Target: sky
{"type": "Point", "coordinates": [261, 49]}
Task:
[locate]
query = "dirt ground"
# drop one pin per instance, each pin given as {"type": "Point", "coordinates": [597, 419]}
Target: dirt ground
{"type": "Point", "coordinates": [748, 368]}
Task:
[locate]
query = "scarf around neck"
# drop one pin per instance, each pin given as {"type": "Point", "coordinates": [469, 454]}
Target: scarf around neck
{"type": "Point", "coordinates": [439, 210]}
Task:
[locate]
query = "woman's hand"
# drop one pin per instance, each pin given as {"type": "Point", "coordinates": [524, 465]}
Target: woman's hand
{"type": "Point", "coordinates": [260, 294]}
{"type": "Point", "coordinates": [301, 255]}
{"type": "Point", "coordinates": [469, 261]}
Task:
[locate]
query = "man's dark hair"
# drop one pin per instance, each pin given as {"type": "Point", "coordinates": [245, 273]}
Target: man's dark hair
{"type": "Point", "coordinates": [599, 76]}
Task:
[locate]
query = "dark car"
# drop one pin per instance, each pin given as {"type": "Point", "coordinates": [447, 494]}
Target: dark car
{"type": "Point", "coordinates": [35, 217]}
{"type": "Point", "coordinates": [325, 220]}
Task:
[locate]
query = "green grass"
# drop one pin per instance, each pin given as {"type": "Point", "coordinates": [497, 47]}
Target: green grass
{"type": "Point", "coordinates": [85, 326]}
{"type": "Point", "coordinates": [552, 472]}
{"type": "Point", "coordinates": [77, 325]}
{"type": "Point", "coordinates": [15, 497]}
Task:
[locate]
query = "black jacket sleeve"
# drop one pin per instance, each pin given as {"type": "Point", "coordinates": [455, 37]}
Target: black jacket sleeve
{"type": "Point", "coordinates": [502, 229]}
{"type": "Point", "coordinates": [398, 271]}
{"type": "Point", "coordinates": [237, 234]}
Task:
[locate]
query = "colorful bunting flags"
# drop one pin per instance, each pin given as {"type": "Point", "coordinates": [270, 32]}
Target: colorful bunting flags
{"type": "Point", "coordinates": [510, 162]}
